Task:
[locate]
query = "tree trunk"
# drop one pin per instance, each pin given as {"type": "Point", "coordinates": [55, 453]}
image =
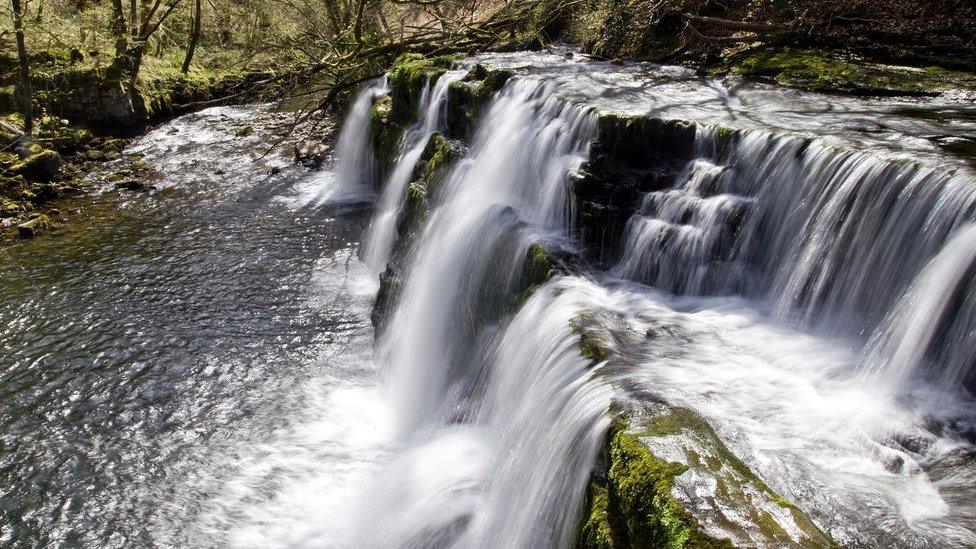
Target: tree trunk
{"type": "Point", "coordinates": [25, 85]}
{"type": "Point", "coordinates": [119, 28]}
{"type": "Point", "coordinates": [194, 37]}
{"type": "Point", "coordinates": [133, 19]}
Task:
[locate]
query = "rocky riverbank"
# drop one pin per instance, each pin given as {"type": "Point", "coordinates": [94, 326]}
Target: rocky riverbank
{"type": "Point", "coordinates": [88, 115]}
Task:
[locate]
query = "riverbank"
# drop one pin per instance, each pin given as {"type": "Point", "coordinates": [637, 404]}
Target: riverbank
{"type": "Point", "coordinates": [88, 115]}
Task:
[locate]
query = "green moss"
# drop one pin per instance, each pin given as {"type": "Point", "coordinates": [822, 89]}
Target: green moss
{"type": "Point", "coordinates": [640, 508]}
{"type": "Point", "coordinates": [642, 511]}
{"type": "Point", "coordinates": [595, 531]}
{"type": "Point", "coordinates": [430, 169]}
{"type": "Point", "coordinates": [406, 81]}
{"type": "Point", "coordinates": [591, 345]}
{"type": "Point", "coordinates": [467, 97]}
{"type": "Point", "coordinates": [384, 134]}
{"type": "Point", "coordinates": [42, 165]}
{"type": "Point", "coordinates": [818, 71]}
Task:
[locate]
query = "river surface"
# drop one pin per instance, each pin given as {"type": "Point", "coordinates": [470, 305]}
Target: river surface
{"type": "Point", "coordinates": [195, 365]}
{"type": "Point", "coordinates": [172, 360]}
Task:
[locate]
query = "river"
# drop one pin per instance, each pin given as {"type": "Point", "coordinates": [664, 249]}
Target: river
{"type": "Point", "coordinates": [195, 365]}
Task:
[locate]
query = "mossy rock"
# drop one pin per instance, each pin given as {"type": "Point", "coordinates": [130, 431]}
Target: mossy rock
{"type": "Point", "coordinates": [406, 81]}
{"type": "Point", "coordinates": [432, 166]}
{"type": "Point", "coordinates": [389, 288]}
{"type": "Point", "coordinates": [593, 346]}
{"type": "Point", "coordinates": [642, 477]}
{"type": "Point", "coordinates": [819, 71]}
{"type": "Point", "coordinates": [384, 134]}
{"type": "Point", "coordinates": [467, 98]}
{"type": "Point", "coordinates": [40, 165]}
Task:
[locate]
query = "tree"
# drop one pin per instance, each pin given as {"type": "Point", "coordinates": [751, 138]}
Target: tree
{"type": "Point", "coordinates": [119, 29]}
{"type": "Point", "coordinates": [26, 96]}
{"type": "Point", "coordinates": [194, 37]}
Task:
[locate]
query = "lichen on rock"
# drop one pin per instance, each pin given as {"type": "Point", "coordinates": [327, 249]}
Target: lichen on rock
{"type": "Point", "coordinates": [820, 71]}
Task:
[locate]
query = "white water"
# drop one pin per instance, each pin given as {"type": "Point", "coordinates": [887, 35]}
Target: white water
{"type": "Point", "coordinates": [354, 177]}
{"type": "Point", "coordinates": [832, 245]}
{"type": "Point", "coordinates": [830, 239]}
{"type": "Point", "coordinates": [496, 429]}
{"type": "Point", "coordinates": [867, 466]}
{"type": "Point", "coordinates": [484, 426]}
{"type": "Point", "coordinates": [381, 236]}
{"type": "Point", "coordinates": [897, 350]}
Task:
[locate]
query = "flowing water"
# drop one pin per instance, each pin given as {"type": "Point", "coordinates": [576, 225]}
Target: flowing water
{"type": "Point", "coordinates": [195, 366]}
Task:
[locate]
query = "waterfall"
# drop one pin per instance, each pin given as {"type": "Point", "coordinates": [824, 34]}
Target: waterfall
{"type": "Point", "coordinates": [381, 235]}
{"type": "Point", "coordinates": [937, 308]}
{"type": "Point", "coordinates": [354, 175]}
{"type": "Point", "coordinates": [513, 474]}
{"type": "Point", "coordinates": [830, 238]}
{"type": "Point", "coordinates": [508, 193]}
{"type": "Point", "coordinates": [355, 165]}
{"type": "Point", "coordinates": [499, 420]}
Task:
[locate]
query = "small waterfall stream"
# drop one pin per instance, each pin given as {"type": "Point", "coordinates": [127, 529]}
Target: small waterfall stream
{"type": "Point", "coordinates": [382, 230]}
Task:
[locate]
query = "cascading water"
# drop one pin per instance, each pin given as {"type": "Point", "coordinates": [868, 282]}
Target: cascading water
{"type": "Point", "coordinates": [382, 230]}
{"type": "Point", "coordinates": [830, 238]}
{"type": "Point", "coordinates": [936, 310]}
{"type": "Point", "coordinates": [478, 460]}
{"type": "Point", "coordinates": [848, 244]}
{"type": "Point", "coordinates": [498, 420]}
{"type": "Point", "coordinates": [355, 171]}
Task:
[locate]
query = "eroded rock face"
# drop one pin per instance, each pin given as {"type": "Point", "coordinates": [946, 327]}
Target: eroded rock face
{"type": "Point", "coordinates": [467, 98]}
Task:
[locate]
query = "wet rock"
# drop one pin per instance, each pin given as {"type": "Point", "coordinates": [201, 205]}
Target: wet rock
{"type": "Point", "coordinates": [311, 154]}
{"type": "Point", "coordinates": [33, 227]}
{"type": "Point", "coordinates": [133, 185]}
{"type": "Point", "coordinates": [668, 481]}
{"type": "Point", "coordinates": [95, 155]}
{"type": "Point", "coordinates": [467, 97]}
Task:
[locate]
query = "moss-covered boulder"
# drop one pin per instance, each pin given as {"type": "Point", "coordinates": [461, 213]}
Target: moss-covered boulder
{"type": "Point", "coordinates": [384, 134]}
{"type": "Point", "coordinates": [668, 481]}
{"type": "Point", "coordinates": [39, 165]}
{"type": "Point", "coordinates": [33, 227]}
{"type": "Point", "coordinates": [410, 74]}
{"type": "Point", "coordinates": [435, 161]}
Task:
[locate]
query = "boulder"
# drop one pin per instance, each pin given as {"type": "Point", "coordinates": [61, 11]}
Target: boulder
{"type": "Point", "coordinates": [38, 165]}
{"type": "Point", "coordinates": [33, 227]}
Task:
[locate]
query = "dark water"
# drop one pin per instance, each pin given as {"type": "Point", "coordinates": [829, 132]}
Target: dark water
{"type": "Point", "coordinates": [159, 330]}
